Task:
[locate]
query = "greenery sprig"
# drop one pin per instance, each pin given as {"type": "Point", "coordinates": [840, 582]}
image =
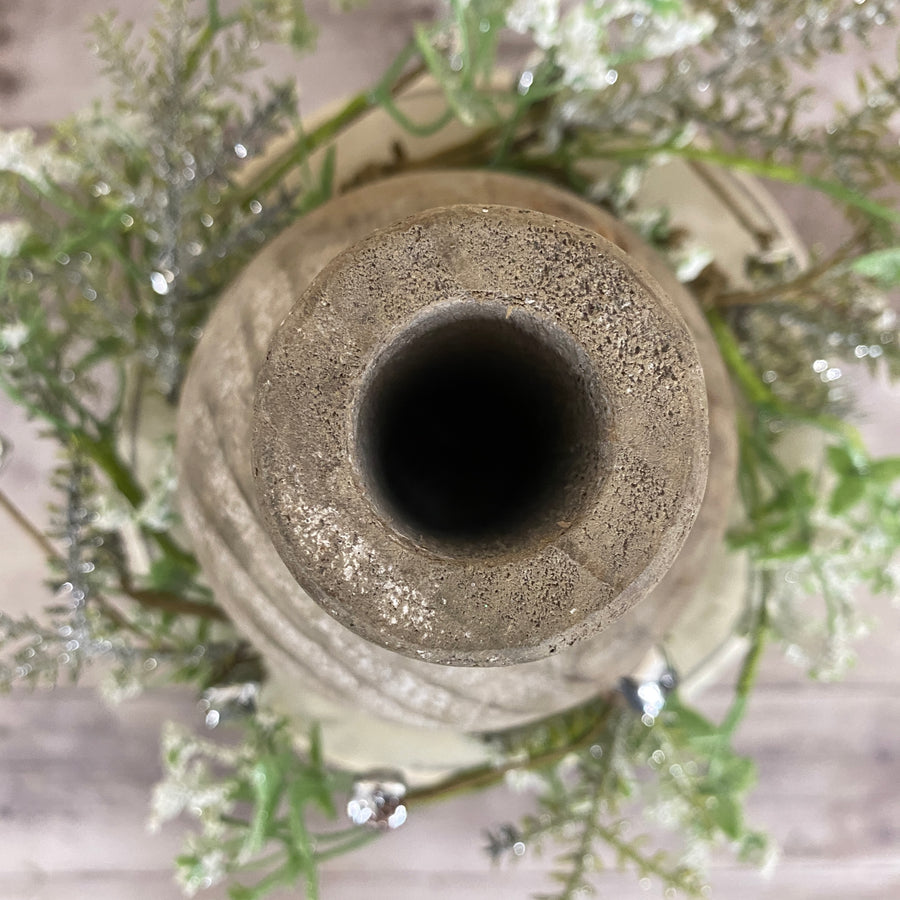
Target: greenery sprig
{"type": "Point", "coordinates": [253, 801]}
{"type": "Point", "coordinates": [680, 774]}
{"type": "Point", "coordinates": [122, 228]}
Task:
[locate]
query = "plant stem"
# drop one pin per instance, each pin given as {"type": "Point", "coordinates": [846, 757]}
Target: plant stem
{"type": "Point", "coordinates": [750, 668]}
{"type": "Point", "coordinates": [393, 84]}
{"type": "Point", "coordinates": [647, 864]}
{"type": "Point", "coordinates": [37, 536]}
{"type": "Point", "coordinates": [796, 285]}
{"type": "Point", "coordinates": [360, 839]}
{"type": "Point", "coordinates": [160, 600]}
{"type": "Point", "coordinates": [215, 24]}
{"type": "Point", "coordinates": [172, 603]}
{"type": "Point", "coordinates": [757, 391]}
{"type": "Point", "coordinates": [484, 776]}
{"type": "Point", "coordinates": [102, 452]}
{"type": "Point", "coordinates": [213, 13]}
{"type": "Point", "coordinates": [583, 852]}
{"type": "Point", "coordinates": [156, 600]}
{"type": "Point", "coordinates": [763, 168]}
{"type": "Point", "coordinates": [117, 618]}
{"type": "Point", "coordinates": [762, 397]}
{"type": "Point", "coordinates": [304, 146]}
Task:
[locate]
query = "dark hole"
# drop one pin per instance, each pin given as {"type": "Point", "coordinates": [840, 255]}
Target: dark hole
{"type": "Point", "coordinates": [477, 429]}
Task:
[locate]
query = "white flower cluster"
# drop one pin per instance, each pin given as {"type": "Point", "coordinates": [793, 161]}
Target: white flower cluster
{"type": "Point", "coordinates": [12, 336]}
{"type": "Point", "coordinates": [590, 40]}
{"type": "Point", "coordinates": [120, 685]}
{"type": "Point", "coordinates": [188, 785]}
{"type": "Point", "coordinates": [540, 17]}
{"type": "Point", "coordinates": [831, 575]}
{"type": "Point", "coordinates": [12, 234]}
{"type": "Point", "coordinates": [39, 163]}
{"type": "Point", "coordinates": [157, 512]}
{"type": "Point", "coordinates": [202, 866]}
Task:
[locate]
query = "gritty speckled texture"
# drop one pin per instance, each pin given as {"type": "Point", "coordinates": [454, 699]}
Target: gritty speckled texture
{"type": "Point", "coordinates": [324, 671]}
{"type": "Point", "coordinates": [521, 603]}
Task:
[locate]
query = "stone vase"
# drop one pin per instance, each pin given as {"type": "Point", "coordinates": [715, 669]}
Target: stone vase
{"type": "Point", "coordinates": [457, 451]}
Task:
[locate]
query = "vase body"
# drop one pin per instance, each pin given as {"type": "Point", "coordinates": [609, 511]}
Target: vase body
{"type": "Point", "coordinates": [376, 695]}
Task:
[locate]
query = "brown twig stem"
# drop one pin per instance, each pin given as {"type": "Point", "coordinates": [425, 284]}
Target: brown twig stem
{"type": "Point", "coordinates": [26, 525]}
{"type": "Point", "coordinates": [786, 289]}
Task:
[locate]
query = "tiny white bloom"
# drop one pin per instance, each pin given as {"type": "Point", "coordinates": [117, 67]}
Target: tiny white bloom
{"type": "Point", "coordinates": [12, 235]}
{"type": "Point", "coordinates": [690, 260]}
{"type": "Point", "coordinates": [117, 687]}
{"type": "Point", "coordinates": [671, 34]}
{"type": "Point", "coordinates": [13, 336]}
{"type": "Point", "coordinates": [540, 17]}
{"type": "Point", "coordinates": [586, 39]}
{"type": "Point", "coordinates": [169, 801]}
{"type": "Point", "coordinates": [579, 51]}
{"type": "Point", "coordinates": [37, 163]}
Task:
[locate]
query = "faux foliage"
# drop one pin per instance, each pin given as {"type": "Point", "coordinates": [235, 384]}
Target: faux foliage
{"type": "Point", "coordinates": [119, 231]}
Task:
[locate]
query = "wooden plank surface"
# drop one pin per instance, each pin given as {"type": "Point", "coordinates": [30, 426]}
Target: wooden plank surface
{"type": "Point", "coordinates": [75, 776]}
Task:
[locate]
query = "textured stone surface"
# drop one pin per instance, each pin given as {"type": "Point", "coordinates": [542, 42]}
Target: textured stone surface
{"type": "Point", "coordinates": [369, 700]}
{"type": "Point", "coordinates": [638, 479]}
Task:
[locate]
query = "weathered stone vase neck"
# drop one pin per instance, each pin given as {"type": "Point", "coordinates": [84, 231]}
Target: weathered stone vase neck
{"type": "Point", "coordinates": [480, 436]}
{"type": "Point", "coordinates": [478, 427]}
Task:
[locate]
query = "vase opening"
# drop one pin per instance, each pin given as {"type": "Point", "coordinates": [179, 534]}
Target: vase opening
{"type": "Point", "coordinates": [478, 429]}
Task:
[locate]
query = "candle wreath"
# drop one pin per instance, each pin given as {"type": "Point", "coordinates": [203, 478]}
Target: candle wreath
{"type": "Point", "coordinates": [121, 229]}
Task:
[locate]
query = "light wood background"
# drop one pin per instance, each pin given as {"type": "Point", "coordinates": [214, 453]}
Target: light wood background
{"type": "Point", "coordinates": [75, 775]}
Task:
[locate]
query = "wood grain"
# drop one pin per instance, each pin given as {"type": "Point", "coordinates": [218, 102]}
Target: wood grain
{"type": "Point", "coordinates": [75, 776]}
